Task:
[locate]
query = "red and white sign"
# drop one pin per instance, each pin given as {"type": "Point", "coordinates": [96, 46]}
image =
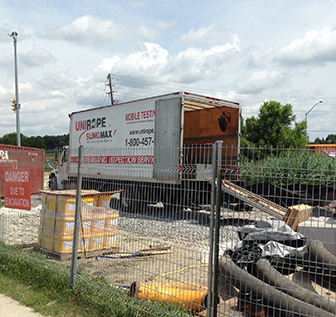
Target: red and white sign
{"type": "Point", "coordinates": [17, 189]}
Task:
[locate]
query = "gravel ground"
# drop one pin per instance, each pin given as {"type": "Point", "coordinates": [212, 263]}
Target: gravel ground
{"type": "Point", "coordinates": [194, 228]}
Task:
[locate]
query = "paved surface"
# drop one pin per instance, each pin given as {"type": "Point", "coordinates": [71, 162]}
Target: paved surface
{"type": "Point", "coordinates": [11, 308]}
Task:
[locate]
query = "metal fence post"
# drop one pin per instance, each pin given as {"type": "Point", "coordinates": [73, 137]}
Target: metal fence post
{"type": "Point", "coordinates": [217, 229]}
{"type": "Point", "coordinates": [211, 229]}
{"type": "Point", "coordinates": [77, 215]}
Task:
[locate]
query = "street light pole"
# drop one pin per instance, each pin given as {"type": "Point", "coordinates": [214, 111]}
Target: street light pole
{"type": "Point", "coordinates": [17, 103]}
{"type": "Point", "coordinates": [307, 115]}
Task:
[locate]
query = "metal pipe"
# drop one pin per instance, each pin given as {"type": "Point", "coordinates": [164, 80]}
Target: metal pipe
{"type": "Point", "coordinates": [17, 103]}
{"type": "Point", "coordinates": [211, 229]}
{"type": "Point", "coordinates": [77, 215]}
{"type": "Point", "coordinates": [307, 115]}
{"type": "Point", "coordinates": [217, 229]}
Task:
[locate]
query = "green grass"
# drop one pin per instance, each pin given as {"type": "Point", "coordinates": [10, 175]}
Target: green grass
{"type": "Point", "coordinates": [44, 285]}
{"type": "Point", "coordinates": [51, 157]}
{"type": "Point", "coordinates": [289, 167]}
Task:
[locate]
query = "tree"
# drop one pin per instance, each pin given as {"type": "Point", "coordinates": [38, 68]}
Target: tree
{"type": "Point", "coordinates": [330, 139]}
{"type": "Point", "coordinates": [275, 126]}
{"type": "Point", "coordinates": [46, 142]}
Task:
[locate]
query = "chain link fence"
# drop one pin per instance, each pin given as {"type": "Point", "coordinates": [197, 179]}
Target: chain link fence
{"type": "Point", "coordinates": [217, 231]}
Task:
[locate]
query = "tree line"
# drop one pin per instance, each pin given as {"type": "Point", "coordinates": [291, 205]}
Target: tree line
{"type": "Point", "coordinates": [47, 142]}
{"type": "Point", "coordinates": [275, 126]}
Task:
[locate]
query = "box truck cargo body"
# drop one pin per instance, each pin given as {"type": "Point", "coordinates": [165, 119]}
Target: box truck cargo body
{"type": "Point", "coordinates": [146, 140]}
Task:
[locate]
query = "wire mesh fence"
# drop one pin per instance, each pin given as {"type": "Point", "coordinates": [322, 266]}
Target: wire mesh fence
{"type": "Point", "coordinates": [210, 229]}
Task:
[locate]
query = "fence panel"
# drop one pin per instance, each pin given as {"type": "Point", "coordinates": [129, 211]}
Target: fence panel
{"type": "Point", "coordinates": [145, 229]}
{"type": "Point", "coordinates": [277, 236]}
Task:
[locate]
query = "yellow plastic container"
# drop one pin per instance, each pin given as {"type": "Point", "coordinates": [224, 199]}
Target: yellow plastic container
{"type": "Point", "coordinates": [49, 202]}
{"type": "Point", "coordinates": [47, 220]}
{"type": "Point", "coordinates": [62, 242]}
{"type": "Point", "coordinates": [97, 241]}
{"type": "Point", "coordinates": [67, 205]}
{"type": "Point", "coordinates": [103, 200]}
{"type": "Point", "coordinates": [110, 239]}
{"type": "Point", "coordinates": [64, 224]}
{"type": "Point", "coordinates": [98, 225]}
{"type": "Point", "coordinates": [86, 223]}
{"type": "Point", "coordinates": [84, 243]}
{"type": "Point", "coordinates": [99, 216]}
{"type": "Point", "coordinates": [111, 221]}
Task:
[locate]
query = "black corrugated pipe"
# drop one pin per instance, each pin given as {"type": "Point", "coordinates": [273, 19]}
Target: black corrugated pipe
{"type": "Point", "coordinates": [322, 255]}
{"type": "Point", "coordinates": [243, 280]}
{"type": "Point", "coordinates": [270, 275]}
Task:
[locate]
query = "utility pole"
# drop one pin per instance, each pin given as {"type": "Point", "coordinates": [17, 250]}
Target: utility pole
{"type": "Point", "coordinates": [111, 88]}
{"type": "Point", "coordinates": [17, 103]}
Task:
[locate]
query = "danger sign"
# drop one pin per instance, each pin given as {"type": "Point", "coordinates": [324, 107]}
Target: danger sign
{"type": "Point", "coordinates": [17, 189]}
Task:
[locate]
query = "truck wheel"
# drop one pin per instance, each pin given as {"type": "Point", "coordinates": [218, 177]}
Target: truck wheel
{"type": "Point", "coordinates": [52, 183]}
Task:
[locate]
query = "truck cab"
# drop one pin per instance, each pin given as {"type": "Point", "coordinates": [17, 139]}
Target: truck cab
{"type": "Point", "coordinates": [59, 175]}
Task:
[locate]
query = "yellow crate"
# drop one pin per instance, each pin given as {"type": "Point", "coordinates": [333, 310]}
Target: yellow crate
{"type": "Point", "coordinates": [111, 221]}
{"type": "Point", "coordinates": [84, 243]}
{"type": "Point", "coordinates": [47, 221]}
{"type": "Point", "coordinates": [64, 224]}
{"type": "Point", "coordinates": [62, 242]}
{"type": "Point", "coordinates": [49, 203]}
{"type": "Point", "coordinates": [103, 200]}
{"type": "Point", "coordinates": [110, 239]}
{"type": "Point", "coordinates": [85, 223]}
{"type": "Point", "coordinates": [98, 225]}
{"type": "Point", "coordinates": [97, 241]}
{"type": "Point", "coordinates": [67, 205]}
{"type": "Point", "coordinates": [99, 216]}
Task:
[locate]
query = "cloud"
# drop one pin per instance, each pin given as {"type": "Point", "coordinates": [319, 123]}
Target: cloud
{"type": "Point", "coordinates": [260, 81]}
{"type": "Point", "coordinates": [210, 35]}
{"type": "Point", "coordinates": [145, 33]}
{"type": "Point", "coordinates": [139, 3]}
{"type": "Point", "coordinates": [89, 30]}
{"type": "Point", "coordinates": [38, 57]}
{"type": "Point", "coordinates": [155, 63]}
{"type": "Point", "coordinates": [316, 47]}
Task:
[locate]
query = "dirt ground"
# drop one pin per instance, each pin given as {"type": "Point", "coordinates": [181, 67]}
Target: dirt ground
{"type": "Point", "coordinates": [141, 259]}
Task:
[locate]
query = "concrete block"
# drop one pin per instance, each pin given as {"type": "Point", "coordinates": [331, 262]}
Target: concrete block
{"type": "Point", "coordinates": [320, 228]}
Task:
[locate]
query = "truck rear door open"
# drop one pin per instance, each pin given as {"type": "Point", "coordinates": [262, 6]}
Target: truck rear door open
{"type": "Point", "coordinates": [167, 139]}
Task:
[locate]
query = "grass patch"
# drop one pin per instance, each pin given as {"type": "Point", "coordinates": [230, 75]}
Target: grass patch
{"type": "Point", "coordinates": [286, 167]}
{"type": "Point", "coordinates": [43, 285]}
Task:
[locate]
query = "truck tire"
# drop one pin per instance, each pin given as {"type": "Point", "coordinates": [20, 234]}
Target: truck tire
{"type": "Point", "coordinates": [52, 184]}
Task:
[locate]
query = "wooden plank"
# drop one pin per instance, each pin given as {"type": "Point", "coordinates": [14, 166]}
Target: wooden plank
{"type": "Point", "coordinates": [255, 200]}
{"type": "Point", "coordinates": [297, 214]}
{"type": "Point", "coordinates": [72, 192]}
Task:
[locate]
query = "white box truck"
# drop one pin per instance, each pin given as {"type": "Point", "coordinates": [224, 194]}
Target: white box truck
{"type": "Point", "coordinates": [142, 147]}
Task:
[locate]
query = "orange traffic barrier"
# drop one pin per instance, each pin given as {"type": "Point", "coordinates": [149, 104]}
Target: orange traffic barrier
{"type": "Point", "coordinates": [190, 296]}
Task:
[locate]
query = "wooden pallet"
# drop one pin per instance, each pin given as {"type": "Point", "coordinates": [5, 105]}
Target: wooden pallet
{"type": "Point", "coordinates": [81, 255]}
{"type": "Point", "coordinates": [297, 214]}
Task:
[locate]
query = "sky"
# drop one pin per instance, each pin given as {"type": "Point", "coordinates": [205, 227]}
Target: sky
{"type": "Point", "coordinates": [246, 51]}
